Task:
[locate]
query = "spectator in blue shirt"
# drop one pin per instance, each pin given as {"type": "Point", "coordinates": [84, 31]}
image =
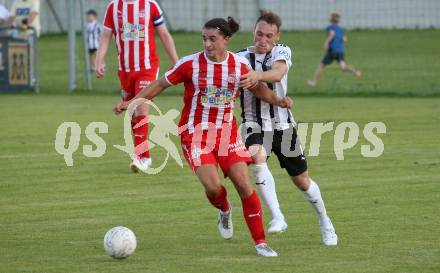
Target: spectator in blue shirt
{"type": "Point", "coordinates": [334, 44]}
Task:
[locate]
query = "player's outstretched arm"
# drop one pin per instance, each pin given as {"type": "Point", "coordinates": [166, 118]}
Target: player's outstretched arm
{"type": "Point", "coordinates": [168, 42]}
{"type": "Point", "coordinates": [262, 92]}
{"type": "Point", "coordinates": [149, 92]}
{"type": "Point", "coordinates": [279, 69]}
{"type": "Point", "coordinates": [153, 90]}
{"type": "Point", "coordinates": [104, 42]}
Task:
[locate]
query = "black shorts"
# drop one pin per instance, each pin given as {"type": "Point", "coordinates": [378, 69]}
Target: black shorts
{"type": "Point", "coordinates": [330, 56]}
{"type": "Point", "coordinates": [92, 50]}
{"type": "Point", "coordinates": [288, 150]}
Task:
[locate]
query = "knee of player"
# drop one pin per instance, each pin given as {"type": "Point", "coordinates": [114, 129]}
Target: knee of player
{"type": "Point", "coordinates": [259, 158]}
{"type": "Point", "coordinates": [243, 186]}
{"type": "Point", "coordinates": [141, 110]}
{"type": "Point", "coordinates": [302, 181]}
{"type": "Point", "coordinates": [212, 188]}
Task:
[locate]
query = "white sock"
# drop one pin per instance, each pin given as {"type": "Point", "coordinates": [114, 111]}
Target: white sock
{"type": "Point", "coordinates": [266, 188]}
{"type": "Point", "coordinates": [313, 195]}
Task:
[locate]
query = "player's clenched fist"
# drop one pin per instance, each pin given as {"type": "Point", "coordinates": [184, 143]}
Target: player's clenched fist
{"type": "Point", "coordinates": [100, 70]}
{"type": "Point", "coordinates": [120, 107]}
{"type": "Point", "coordinates": [286, 102]}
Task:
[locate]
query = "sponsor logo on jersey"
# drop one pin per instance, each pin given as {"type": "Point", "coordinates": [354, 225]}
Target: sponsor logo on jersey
{"type": "Point", "coordinates": [217, 96]}
{"type": "Point", "coordinates": [132, 31]}
{"type": "Point", "coordinates": [285, 54]}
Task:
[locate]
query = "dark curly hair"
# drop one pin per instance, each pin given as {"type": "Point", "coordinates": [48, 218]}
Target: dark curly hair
{"type": "Point", "coordinates": [227, 28]}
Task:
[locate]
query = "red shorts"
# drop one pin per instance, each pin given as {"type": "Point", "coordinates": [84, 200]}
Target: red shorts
{"type": "Point", "coordinates": [216, 147]}
{"type": "Point", "coordinates": [133, 82]}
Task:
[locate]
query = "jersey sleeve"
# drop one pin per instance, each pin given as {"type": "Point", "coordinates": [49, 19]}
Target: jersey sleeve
{"type": "Point", "coordinates": [108, 17]}
{"type": "Point", "coordinates": [179, 73]}
{"type": "Point", "coordinates": [156, 14]}
{"type": "Point", "coordinates": [242, 53]}
{"type": "Point", "coordinates": [328, 28]}
{"type": "Point", "coordinates": [283, 53]}
{"type": "Point", "coordinates": [245, 68]}
{"type": "Point", "coordinates": [245, 65]}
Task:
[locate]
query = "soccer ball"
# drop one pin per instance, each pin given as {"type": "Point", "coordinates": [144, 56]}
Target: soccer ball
{"type": "Point", "coordinates": [120, 242]}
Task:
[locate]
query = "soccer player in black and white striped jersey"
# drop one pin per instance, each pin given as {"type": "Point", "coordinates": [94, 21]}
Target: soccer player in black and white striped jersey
{"type": "Point", "coordinates": [268, 128]}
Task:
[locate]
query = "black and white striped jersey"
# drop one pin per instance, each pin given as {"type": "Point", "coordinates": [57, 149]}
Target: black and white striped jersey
{"type": "Point", "coordinates": [256, 111]}
{"type": "Point", "coordinates": [93, 30]}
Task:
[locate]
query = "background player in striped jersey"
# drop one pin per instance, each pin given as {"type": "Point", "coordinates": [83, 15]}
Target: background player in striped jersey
{"type": "Point", "coordinates": [334, 45]}
{"type": "Point", "coordinates": [208, 130]}
{"type": "Point", "coordinates": [269, 128]}
{"type": "Point", "coordinates": [133, 24]}
{"type": "Point", "coordinates": [93, 30]}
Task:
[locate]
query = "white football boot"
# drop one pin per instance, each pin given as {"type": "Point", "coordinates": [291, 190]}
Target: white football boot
{"type": "Point", "coordinates": [140, 164]}
{"type": "Point", "coordinates": [277, 226]}
{"type": "Point", "coordinates": [329, 237]}
{"type": "Point", "coordinates": [225, 226]}
{"type": "Point", "coordinates": [264, 250]}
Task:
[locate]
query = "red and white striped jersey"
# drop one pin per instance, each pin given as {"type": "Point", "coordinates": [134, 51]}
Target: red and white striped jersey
{"type": "Point", "coordinates": [210, 90]}
{"type": "Point", "coordinates": [132, 24]}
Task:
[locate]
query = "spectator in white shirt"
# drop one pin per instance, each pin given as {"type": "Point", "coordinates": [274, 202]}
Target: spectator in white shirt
{"type": "Point", "coordinates": [25, 15]}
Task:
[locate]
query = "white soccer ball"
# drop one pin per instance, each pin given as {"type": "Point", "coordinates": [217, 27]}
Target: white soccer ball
{"type": "Point", "coordinates": [120, 242]}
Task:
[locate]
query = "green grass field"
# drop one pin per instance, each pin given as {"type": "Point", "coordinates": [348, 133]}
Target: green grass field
{"type": "Point", "coordinates": [385, 210]}
{"type": "Point", "coordinates": [394, 63]}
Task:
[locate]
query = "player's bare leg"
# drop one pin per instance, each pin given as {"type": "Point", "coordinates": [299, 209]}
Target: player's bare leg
{"type": "Point", "coordinates": [92, 58]}
{"type": "Point", "coordinates": [349, 69]}
{"type": "Point", "coordinates": [265, 184]}
{"type": "Point", "coordinates": [312, 194]}
{"type": "Point", "coordinates": [317, 75]}
{"type": "Point", "coordinates": [252, 211]}
{"type": "Point", "coordinates": [217, 196]}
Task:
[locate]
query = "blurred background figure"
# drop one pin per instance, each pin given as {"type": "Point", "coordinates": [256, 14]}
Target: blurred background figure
{"type": "Point", "coordinates": [25, 15]}
{"type": "Point", "coordinates": [93, 29]}
{"type": "Point", "coordinates": [334, 44]}
{"type": "Point", "coordinates": [4, 19]}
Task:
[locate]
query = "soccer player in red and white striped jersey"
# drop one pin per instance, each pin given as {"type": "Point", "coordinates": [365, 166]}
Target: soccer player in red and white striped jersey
{"type": "Point", "coordinates": [208, 129]}
{"type": "Point", "coordinates": [133, 23]}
